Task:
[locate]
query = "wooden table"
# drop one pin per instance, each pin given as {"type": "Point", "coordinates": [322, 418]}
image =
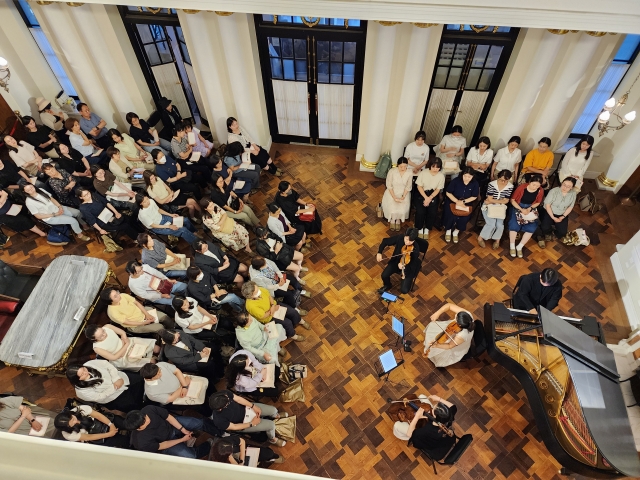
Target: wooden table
{"type": "Point", "coordinates": [46, 327]}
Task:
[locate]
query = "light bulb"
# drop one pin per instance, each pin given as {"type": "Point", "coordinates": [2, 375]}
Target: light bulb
{"type": "Point", "coordinates": [604, 117]}
{"type": "Point", "coordinates": [629, 117]}
{"type": "Point", "coordinates": [4, 65]}
{"type": "Point", "coordinates": [609, 104]}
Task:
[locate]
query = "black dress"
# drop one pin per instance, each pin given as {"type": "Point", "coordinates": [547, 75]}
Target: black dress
{"type": "Point", "coordinates": [282, 259]}
{"type": "Point", "coordinates": [9, 174]}
{"type": "Point", "coordinates": [73, 163]}
{"type": "Point", "coordinates": [289, 205]}
{"type": "Point", "coordinates": [17, 223]}
{"type": "Point", "coordinates": [210, 265]}
{"type": "Point", "coordinates": [430, 438]}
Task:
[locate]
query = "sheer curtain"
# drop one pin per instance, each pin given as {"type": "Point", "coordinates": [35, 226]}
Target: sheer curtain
{"type": "Point", "coordinates": [335, 111]}
{"type": "Point", "coordinates": [292, 109]}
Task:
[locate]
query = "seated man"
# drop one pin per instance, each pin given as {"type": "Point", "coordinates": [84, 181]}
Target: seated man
{"type": "Point", "coordinates": [126, 311]}
{"type": "Point", "coordinates": [396, 262]}
{"type": "Point", "coordinates": [222, 267]}
{"type": "Point", "coordinates": [262, 307]}
{"type": "Point", "coordinates": [148, 283]}
{"type": "Point", "coordinates": [234, 413]}
{"type": "Point", "coordinates": [266, 274]}
{"type": "Point", "coordinates": [163, 223]}
{"type": "Point", "coordinates": [204, 289]}
{"type": "Point", "coordinates": [543, 289]}
{"type": "Point", "coordinates": [154, 430]}
{"type": "Point", "coordinates": [170, 172]}
{"type": "Point", "coordinates": [191, 355]}
{"type": "Point", "coordinates": [93, 126]}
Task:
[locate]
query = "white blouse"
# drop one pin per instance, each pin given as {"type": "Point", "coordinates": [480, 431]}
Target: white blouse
{"type": "Point", "coordinates": [242, 137]}
{"type": "Point", "coordinates": [105, 392]}
{"type": "Point", "coordinates": [416, 155]}
{"type": "Point", "coordinates": [474, 156]}
{"type": "Point", "coordinates": [451, 141]}
{"type": "Point", "coordinates": [195, 318]}
{"type": "Point", "coordinates": [25, 154]}
{"type": "Point", "coordinates": [506, 160]}
{"type": "Point", "coordinates": [575, 166]}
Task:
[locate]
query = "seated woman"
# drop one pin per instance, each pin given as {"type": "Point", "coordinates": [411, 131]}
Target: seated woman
{"type": "Point", "coordinates": [292, 206]}
{"type": "Point", "coordinates": [267, 275]}
{"type": "Point", "coordinates": [508, 158]}
{"type": "Point", "coordinates": [461, 191]}
{"type": "Point", "coordinates": [46, 208]}
{"type": "Point", "coordinates": [284, 256]}
{"type": "Point", "coordinates": [112, 344]}
{"type": "Point", "coordinates": [130, 150]}
{"type": "Point", "coordinates": [454, 346]}
{"type": "Point", "coordinates": [538, 162]}
{"type": "Point", "coordinates": [11, 176]}
{"type": "Point", "coordinates": [123, 169]}
{"type": "Point", "coordinates": [208, 293]}
{"type": "Point", "coordinates": [170, 201]}
{"type": "Point", "coordinates": [71, 161]}
{"type": "Point", "coordinates": [195, 320]}
{"type": "Point", "coordinates": [524, 214]}
{"type": "Point", "coordinates": [52, 118]}
{"type": "Point", "coordinates": [84, 424]}
{"type": "Point", "coordinates": [233, 450]}
{"type": "Point", "coordinates": [145, 135]}
{"type": "Point", "coordinates": [182, 152]}
{"type": "Point", "coordinates": [577, 160]}
{"type": "Point", "coordinates": [429, 184]}
{"type": "Point", "coordinates": [16, 221]}
{"type": "Point", "coordinates": [498, 193]}
{"type": "Point", "coordinates": [219, 266]}
{"type": "Point", "coordinates": [396, 201]}
{"type": "Point", "coordinates": [158, 256]}
{"type": "Point", "coordinates": [92, 206]}
{"type": "Point", "coordinates": [240, 164]}
{"type": "Point", "coordinates": [253, 336]}
{"type": "Point", "coordinates": [228, 176]}
{"type": "Point", "coordinates": [417, 152]}
{"type": "Point", "coordinates": [62, 184]}
{"type": "Point", "coordinates": [479, 158]}
{"type": "Point", "coordinates": [280, 225]}
{"type": "Point", "coordinates": [100, 382]}
{"type": "Point", "coordinates": [202, 145]}
{"type": "Point", "coordinates": [171, 173]}
{"type": "Point", "coordinates": [223, 227]}
{"type": "Point", "coordinates": [451, 147]}
{"type": "Point", "coordinates": [190, 355]}
{"type": "Point", "coordinates": [245, 373]}
{"type": "Point", "coordinates": [24, 155]}
{"type": "Point", "coordinates": [118, 193]}
{"type": "Point", "coordinates": [39, 136]}
{"type": "Point", "coordinates": [231, 202]}
{"type": "Point", "coordinates": [18, 418]}
{"type": "Point", "coordinates": [434, 437]}
{"type": "Point", "coordinates": [259, 155]}
{"type": "Point", "coordinates": [557, 207]}
{"type": "Point", "coordinates": [161, 222]}
{"type": "Point", "coordinates": [86, 146]}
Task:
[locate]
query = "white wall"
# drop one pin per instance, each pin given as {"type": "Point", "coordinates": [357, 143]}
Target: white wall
{"type": "Point", "coordinates": [626, 266]}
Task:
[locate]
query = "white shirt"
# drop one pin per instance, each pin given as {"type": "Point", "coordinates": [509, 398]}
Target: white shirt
{"type": "Point", "coordinates": [575, 166]}
{"type": "Point", "coordinates": [24, 155]}
{"type": "Point", "coordinates": [77, 142]}
{"type": "Point", "coordinates": [474, 157]}
{"type": "Point", "coordinates": [140, 286]}
{"type": "Point", "coordinates": [195, 318]}
{"type": "Point", "coordinates": [209, 254]}
{"type": "Point", "coordinates": [506, 160]}
{"type": "Point", "coordinates": [105, 392]}
{"type": "Point", "coordinates": [86, 410]}
{"type": "Point", "coordinates": [150, 215]}
{"type": "Point", "coordinates": [415, 154]}
{"type": "Point", "coordinates": [40, 205]}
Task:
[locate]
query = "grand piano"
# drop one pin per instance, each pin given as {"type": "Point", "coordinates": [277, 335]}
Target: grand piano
{"type": "Point", "coordinates": [572, 384]}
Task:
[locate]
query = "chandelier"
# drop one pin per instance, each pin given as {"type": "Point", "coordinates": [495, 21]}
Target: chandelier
{"type": "Point", "coordinates": [5, 74]}
{"type": "Point", "coordinates": [612, 108]}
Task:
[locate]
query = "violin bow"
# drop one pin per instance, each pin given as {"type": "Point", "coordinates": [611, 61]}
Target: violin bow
{"type": "Point", "coordinates": [443, 331]}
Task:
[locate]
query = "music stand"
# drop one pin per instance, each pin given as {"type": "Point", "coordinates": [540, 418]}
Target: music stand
{"type": "Point", "coordinates": [398, 327]}
{"type": "Point", "coordinates": [388, 363]}
{"type": "Point", "coordinates": [389, 298]}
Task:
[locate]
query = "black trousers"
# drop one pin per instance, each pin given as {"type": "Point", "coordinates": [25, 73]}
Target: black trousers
{"type": "Point", "coordinates": [291, 320]}
{"type": "Point", "coordinates": [426, 216]}
{"type": "Point", "coordinates": [187, 187]}
{"type": "Point", "coordinates": [132, 397]}
{"type": "Point", "coordinates": [392, 268]}
{"type": "Point", "coordinates": [547, 224]}
{"type": "Point", "coordinates": [118, 440]}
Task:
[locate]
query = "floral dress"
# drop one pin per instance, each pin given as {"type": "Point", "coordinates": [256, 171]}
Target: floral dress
{"type": "Point", "coordinates": [231, 234]}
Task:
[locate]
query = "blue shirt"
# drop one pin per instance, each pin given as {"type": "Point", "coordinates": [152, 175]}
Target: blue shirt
{"type": "Point", "coordinates": [458, 189]}
{"type": "Point", "coordinates": [167, 170]}
{"type": "Point", "coordinates": [233, 161]}
{"type": "Point", "coordinates": [88, 125]}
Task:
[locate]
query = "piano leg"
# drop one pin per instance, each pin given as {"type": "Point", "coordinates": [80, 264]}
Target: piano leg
{"type": "Point", "coordinates": [564, 471]}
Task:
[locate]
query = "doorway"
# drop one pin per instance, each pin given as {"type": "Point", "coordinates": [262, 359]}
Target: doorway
{"type": "Point", "coordinates": [312, 74]}
{"type": "Point", "coordinates": [470, 64]}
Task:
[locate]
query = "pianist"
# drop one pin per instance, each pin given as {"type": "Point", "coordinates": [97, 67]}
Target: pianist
{"type": "Point", "coordinates": [535, 289]}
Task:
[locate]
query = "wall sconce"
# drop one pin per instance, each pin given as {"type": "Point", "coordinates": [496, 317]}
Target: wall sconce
{"type": "Point", "coordinates": [612, 108]}
{"type": "Point", "coordinates": [5, 74]}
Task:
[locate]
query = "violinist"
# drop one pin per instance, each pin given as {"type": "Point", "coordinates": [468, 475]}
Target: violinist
{"type": "Point", "coordinates": [436, 437]}
{"type": "Point", "coordinates": [446, 342]}
{"type": "Point", "coordinates": [405, 259]}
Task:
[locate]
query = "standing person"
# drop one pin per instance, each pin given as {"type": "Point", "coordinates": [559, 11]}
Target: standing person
{"type": "Point", "coordinates": [451, 147]}
{"type": "Point", "coordinates": [293, 206]}
{"type": "Point", "coordinates": [508, 158]}
{"type": "Point", "coordinates": [538, 289]}
{"type": "Point", "coordinates": [145, 135]}
{"type": "Point", "coordinates": [396, 201]}
{"type": "Point", "coordinates": [454, 347]}
{"type": "Point", "coordinates": [524, 215]}
{"type": "Point", "coordinates": [417, 153]}
{"type": "Point", "coordinates": [94, 126]}
{"type": "Point", "coordinates": [538, 162]}
{"type": "Point", "coordinates": [479, 158]}
{"type": "Point", "coordinates": [557, 207]}
{"type": "Point", "coordinates": [461, 192]}
{"type": "Point", "coordinates": [397, 261]}
{"type": "Point", "coordinates": [577, 161]}
{"type": "Point", "coordinates": [259, 155]}
{"type": "Point", "coordinates": [170, 117]}
{"type": "Point", "coordinates": [430, 183]}
{"type": "Point", "coordinates": [498, 194]}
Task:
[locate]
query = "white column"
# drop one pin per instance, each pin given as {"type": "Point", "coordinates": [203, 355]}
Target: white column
{"type": "Point", "coordinates": [411, 86]}
{"type": "Point", "coordinates": [383, 59]}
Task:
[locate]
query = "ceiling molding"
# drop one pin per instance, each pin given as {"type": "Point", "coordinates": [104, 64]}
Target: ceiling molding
{"type": "Point", "coordinates": [622, 16]}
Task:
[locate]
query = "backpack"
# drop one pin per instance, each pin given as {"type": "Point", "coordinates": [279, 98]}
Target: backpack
{"type": "Point", "coordinates": [59, 234]}
{"type": "Point", "coordinates": [383, 166]}
{"type": "Point", "coordinates": [589, 204]}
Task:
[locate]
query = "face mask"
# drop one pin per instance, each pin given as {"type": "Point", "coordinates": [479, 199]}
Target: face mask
{"type": "Point", "coordinates": [200, 277]}
{"type": "Point", "coordinates": [258, 295]}
{"type": "Point", "coordinates": [161, 160]}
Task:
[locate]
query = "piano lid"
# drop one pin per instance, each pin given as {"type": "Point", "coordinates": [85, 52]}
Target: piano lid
{"type": "Point", "coordinates": [606, 415]}
{"type": "Point", "coordinates": [577, 344]}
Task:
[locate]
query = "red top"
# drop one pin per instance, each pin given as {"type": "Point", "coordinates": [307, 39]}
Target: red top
{"type": "Point", "coordinates": [517, 195]}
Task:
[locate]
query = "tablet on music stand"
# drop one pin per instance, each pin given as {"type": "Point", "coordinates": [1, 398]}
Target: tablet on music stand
{"type": "Point", "coordinates": [388, 363]}
{"type": "Point", "coordinates": [398, 327]}
{"type": "Point", "coordinates": [389, 297]}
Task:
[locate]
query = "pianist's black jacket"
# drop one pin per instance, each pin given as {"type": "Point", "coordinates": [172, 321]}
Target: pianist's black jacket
{"type": "Point", "coordinates": [532, 293]}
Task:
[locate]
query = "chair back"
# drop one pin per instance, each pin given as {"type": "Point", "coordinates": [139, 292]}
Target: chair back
{"type": "Point", "coordinates": [459, 448]}
{"type": "Point", "coordinates": [7, 276]}
{"type": "Point", "coordinates": [515, 290]}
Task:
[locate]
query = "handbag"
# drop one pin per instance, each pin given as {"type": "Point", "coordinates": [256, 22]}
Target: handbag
{"type": "Point", "coordinates": [286, 428]}
{"type": "Point", "coordinates": [182, 265]}
{"type": "Point", "coordinates": [379, 211]}
{"type": "Point", "coordinates": [110, 246]}
{"type": "Point", "coordinates": [460, 213]}
{"type": "Point", "coordinates": [578, 237]}
{"type": "Point", "coordinates": [589, 204]}
{"type": "Point", "coordinates": [165, 287]}
{"type": "Point", "coordinates": [523, 221]}
{"type": "Point", "coordinates": [298, 371]}
{"type": "Point", "coordinates": [383, 166]}
{"type": "Point", "coordinates": [308, 217]}
{"type": "Point", "coordinates": [234, 203]}
{"type": "Point", "coordinates": [497, 211]}
{"type": "Point", "coordinates": [293, 393]}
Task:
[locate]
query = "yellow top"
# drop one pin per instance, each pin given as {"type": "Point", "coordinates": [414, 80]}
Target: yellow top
{"type": "Point", "coordinates": [540, 161]}
{"type": "Point", "coordinates": [258, 307]}
{"type": "Point", "coordinates": [127, 311]}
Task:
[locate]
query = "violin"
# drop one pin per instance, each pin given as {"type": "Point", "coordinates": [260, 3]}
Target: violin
{"type": "Point", "coordinates": [447, 334]}
{"type": "Point", "coordinates": [405, 258]}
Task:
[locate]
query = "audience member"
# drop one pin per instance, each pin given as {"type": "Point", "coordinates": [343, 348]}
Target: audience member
{"type": "Point", "coordinates": [430, 183]}
{"type": "Point", "coordinates": [54, 119]}
{"type": "Point", "coordinates": [524, 214]}
{"type": "Point", "coordinates": [118, 193]}
{"type": "Point", "coordinates": [396, 201]}
{"type": "Point", "coordinates": [183, 153]}
{"type": "Point", "coordinates": [123, 169]}
{"type": "Point", "coordinates": [576, 161]}
{"type": "Point", "coordinates": [417, 153]}
{"type": "Point", "coordinates": [538, 162]}
{"type": "Point", "coordinates": [228, 176]}
{"type": "Point", "coordinates": [195, 320]}
{"type": "Point", "coordinates": [174, 201]}
{"type": "Point", "coordinates": [112, 344]}
{"type": "Point", "coordinates": [253, 336]}
{"type": "Point", "coordinates": [240, 164]}
{"type": "Point", "coordinates": [85, 424]}
{"type": "Point", "coordinates": [494, 209]}
{"type": "Point", "coordinates": [233, 450]}
{"type": "Point", "coordinates": [223, 227]}
{"type": "Point", "coordinates": [479, 159]}
{"type": "Point", "coordinates": [259, 156]}
{"type": "Point", "coordinates": [158, 256]}
{"type": "Point", "coordinates": [11, 176]}
{"type": "Point", "coordinates": [203, 146]}
{"type": "Point", "coordinates": [130, 150]}
{"type": "Point", "coordinates": [171, 173]}
{"type": "Point", "coordinates": [451, 147]}
{"type": "Point", "coordinates": [544, 289]}
{"type": "Point", "coordinates": [266, 274]}
{"type": "Point", "coordinates": [227, 199]}
{"type": "Point", "coordinates": [149, 284]}
{"type": "Point", "coordinates": [62, 184]}
{"type": "Point", "coordinates": [162, 222]}
{"type": "Point", "coordinates": [557, 207]}
{"type": "Point", "coordinates": [280, 225]}
{"type": "Point", "coordinates": [284, 256]}
{"type": "Point", "coordinates": [191, 355]}
{"type": "Point", "coordinates": [127, 312]}
{"type": "Point", "coordinates": [18, 222]}
{"type": "Point", "coordinates": [508, 158]}
{"type": "Point", "coordinates": [460, 194]}
{"type": "Point", "coordinates": [23, 155]}
{"type": "Point", "coordinates": [94, 126]}
{"type": "Point", "coordinates": [145, 135]}
{"type": "Point", "coordinates": [164, 383]}
{"type": "Point", "coordinates": [71, 161]}
{"type": "Point", "coordinates": [104, 217]}
{"type": "Point", "coordinates": [87, 147]}
{"type": "Point", "coordinates": [40, 136]}
{"type": "Point", "coordinates": [293, 206]}
{"type": "Point", "coordinates": [245, 374]}
{"type": "Point", "coordinates": [208, 293]}
{"type": "Point", "coordinates": [13, 415]}
{"type": "Point", "coordinates": [170, 117]}
{"type": "Point", "coordinates": [222, 267]}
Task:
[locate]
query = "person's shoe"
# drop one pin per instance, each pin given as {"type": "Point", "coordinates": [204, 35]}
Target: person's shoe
{"type": "Point", "coordinates": [512, 252]}
{"type": "Point", "coordinates": [278, 442]}
{"type": "Point", "coordinates": [304, 293]}
{"type": "Point", "coordinates": [519, 252]}
{"type": "Point", "coordinates": [304, 269]}
{"type": "Point", "coordinates": [541, 243]}
{"type": "Point", "coordinates": [548, 238]}
{"type": "Point", "coordinates": [302, 312]}
{"type": "Point", "coordinates": [279, 459]}
{"type": "Point", "coordinates": [455, 238]}
{"type": "Point", "coordinates": [58, 244]}
{"type": "Point", "coordinates": [447, 237]}
{"type": "Point", "coordinates": [278, 173]}
{"type": "Point", "coordinates": [426, 235]}
{"type": "Point", "coordinates": [301, 281]}
{"type": "Point", "coordinates": [282, 415]}
{"type": "Point", "coordinates": [298, 338]}
{"type": "Point", "coordinates": [481, 241]}
{"type": "Point", "coordinates": [392, 226]}
{"type": "Point", "coordinates": [305, 324]}
{"type": "Point", "coordinates": [83, 237]}
{"type": "Point", "coordinates": [304, 250]}
{"type": "Point", "coordinates": [496, 245]}
{"type": "Point", "coordinates": [195, 221]}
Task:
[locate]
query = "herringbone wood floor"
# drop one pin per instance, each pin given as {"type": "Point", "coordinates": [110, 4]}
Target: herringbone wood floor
{"type": "Point", "coordinates": [343, 431]}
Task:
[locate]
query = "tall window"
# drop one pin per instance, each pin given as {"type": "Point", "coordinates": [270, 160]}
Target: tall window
{"type": "Point", "coordinates": [608, 84]}
{"type": "Point", "coordinates": [46, 48]}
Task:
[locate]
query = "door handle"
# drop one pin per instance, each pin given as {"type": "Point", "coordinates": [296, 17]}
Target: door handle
{"type": "Point", "coordinates": [315, 77]}
{"type": "Point", "coordinates": [308, 61]}
{"type": "Point", "coordinates": [308, 104]}
{"type": "Point", "coordinates": [316, 104]}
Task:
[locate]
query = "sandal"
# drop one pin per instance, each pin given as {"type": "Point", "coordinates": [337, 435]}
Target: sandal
{"type": "Point", "coordinates": [481, 241]}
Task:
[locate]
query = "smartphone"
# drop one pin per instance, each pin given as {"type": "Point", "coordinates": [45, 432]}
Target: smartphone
{"type": "Point", "coordinates": [389, 297]}
{"type": "Point", "coordinates": [137, 176]}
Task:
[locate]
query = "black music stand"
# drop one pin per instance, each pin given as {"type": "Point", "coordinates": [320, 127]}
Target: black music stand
{"type": "Point", "coordinates": [388, 363]}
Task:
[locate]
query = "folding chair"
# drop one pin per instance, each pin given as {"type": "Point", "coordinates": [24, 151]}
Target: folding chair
{"type": "Point", "coordinates": [462, 443]}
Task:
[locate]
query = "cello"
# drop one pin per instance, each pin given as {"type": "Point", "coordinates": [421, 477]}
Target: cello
{"type": "Point", "coordinates": [405, 410]}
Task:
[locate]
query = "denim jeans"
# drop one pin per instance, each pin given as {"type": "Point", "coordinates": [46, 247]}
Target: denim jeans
{"type": "Point", "coordinates": [177, 274]}
{"type": "Point", "coordinates": [493, 227]}
{"type": "Point", "coordinates": [164, 146]}
{"type": "Point", "coordinates": [184, 231]}
{"type": "Point", "coordinates": [234, 301]}
{"type": "Point", "coordinates": [179, 288]}
{"type": "Point", "coordinates": [70, 216]}
{"type": "Point", "coordinates": [181, 449]}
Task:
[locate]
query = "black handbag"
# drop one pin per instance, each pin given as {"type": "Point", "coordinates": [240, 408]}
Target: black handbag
{"type": "Point", "coordinates": [234, 203]}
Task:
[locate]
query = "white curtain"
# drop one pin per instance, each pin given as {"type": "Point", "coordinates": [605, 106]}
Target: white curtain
{"type": "Point", "coordinates": [292, 110]}
{"type": "Point", "coordinates": [335, 111]}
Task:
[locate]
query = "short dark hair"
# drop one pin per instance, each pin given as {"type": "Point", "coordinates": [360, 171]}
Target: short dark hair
{"type": "Point", "coordinates": [143, 239]}
{"type": "Point", "coordinates": [134, 420]}
{"type": "Point", "coordinates": [283, 185]}
{"type": "Point", "coordinates": [420, 134]}
{"type": "Point", "coordinates": [105, 295]}
{"type": "Point", "coordinates": [484, 140]}
{"type": "Point", "coordinates": [230, 120]}
{"type": "Point", "coordinates": [434, 162]}
{"type": "Point", "coordinates": [27, 119]}
{"type": "Point", "coordinates": [258, 262]}
{"type": "Point", "coordinates": [197, 245]}
{"type": "Point", "coordinates": [155, 153]}
{"type": "Point", "coordinates": [205, 202]}
{"type": "Point", "coordinates": [549, 276]}
{"type": "Point", "coordinates": [139, 198]}
{"type": "Point", "coordinates": [90, 331]}
{"type": "Point", "coordinates": [130, 116]}
{"type": "Point", "coordinates": [114, 131]}
{"type": "Point", "coordinates": [131, 267]}
{"type": "Point", "coordinates": [69, 123]}
{"type": "Point", "coordinates": [570, 179]}
{"type": "Point", "coordinates": [219, 400]}
{"type": "Point", "coordinates": [273, 207]}
{"type": "Point", "coordinates": [234, 149]}
{"type": "Point", "coordinates": [178, 128]}
{"type": "Point", "coordinates": [412, 233]}
{"type": "Point", "coordinates": [94, 169]}
{"type": "Point", "coordinates": [536, 178]}
{"type": "Point", "coordinates": [402, 160]}
{"type": "Point", "coordinates": [149, 370]}
{"type": "Point", "coordinates": [506, 174]}
{"type": "Point", "coordinates": [240, 319]}
{"type": "Point", "coordinates": [515, 138]}
{"type": "Point", "coordinates": [111, 151]}
{"type": "Point", "coordinates": [468, 171]}
{"type": "Point", "coordinates": [546, 140]}
{"type": "Point", "coordinates": [442, 414]}
{"type": "Point", "coordinates": [193, 272]}
{"type": "Point", "coordinates": [80, 105]}
{"type": "Point", "coordinates": [456, 129]}
{"type": "Point", "coordinates": [167, 336]}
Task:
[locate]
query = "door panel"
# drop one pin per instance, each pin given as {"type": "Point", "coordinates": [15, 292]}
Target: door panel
{"type": "Point", "coordinates": [438, 112]}
{"type": "Point", "coordinates": [170, 86]}
{"type": "Point", "coordinates": [469, 111]}
{"type": "Point", "coordinates": [335, 111]}
{"type": "Point", "coordinates": [194, 87]}
{"type": "Point", "coordinates": [292, 107]}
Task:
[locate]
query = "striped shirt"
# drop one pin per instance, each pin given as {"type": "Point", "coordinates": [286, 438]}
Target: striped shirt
{"type": "Point", "coordinates": [494, 192]}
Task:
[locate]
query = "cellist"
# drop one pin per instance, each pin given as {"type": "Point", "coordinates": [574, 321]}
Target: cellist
{"type": "Point", "coordinates": [446, 342]}
{"type": "Point", "coordinates": [405, 259]}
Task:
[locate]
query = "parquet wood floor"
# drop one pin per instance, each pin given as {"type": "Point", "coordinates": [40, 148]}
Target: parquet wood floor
{"type": "Point", "coordinates": [343, 431]}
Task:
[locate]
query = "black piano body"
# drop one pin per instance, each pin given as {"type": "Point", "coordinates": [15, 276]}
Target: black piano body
{"type": "Point", "coordinates": [572, 385]}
